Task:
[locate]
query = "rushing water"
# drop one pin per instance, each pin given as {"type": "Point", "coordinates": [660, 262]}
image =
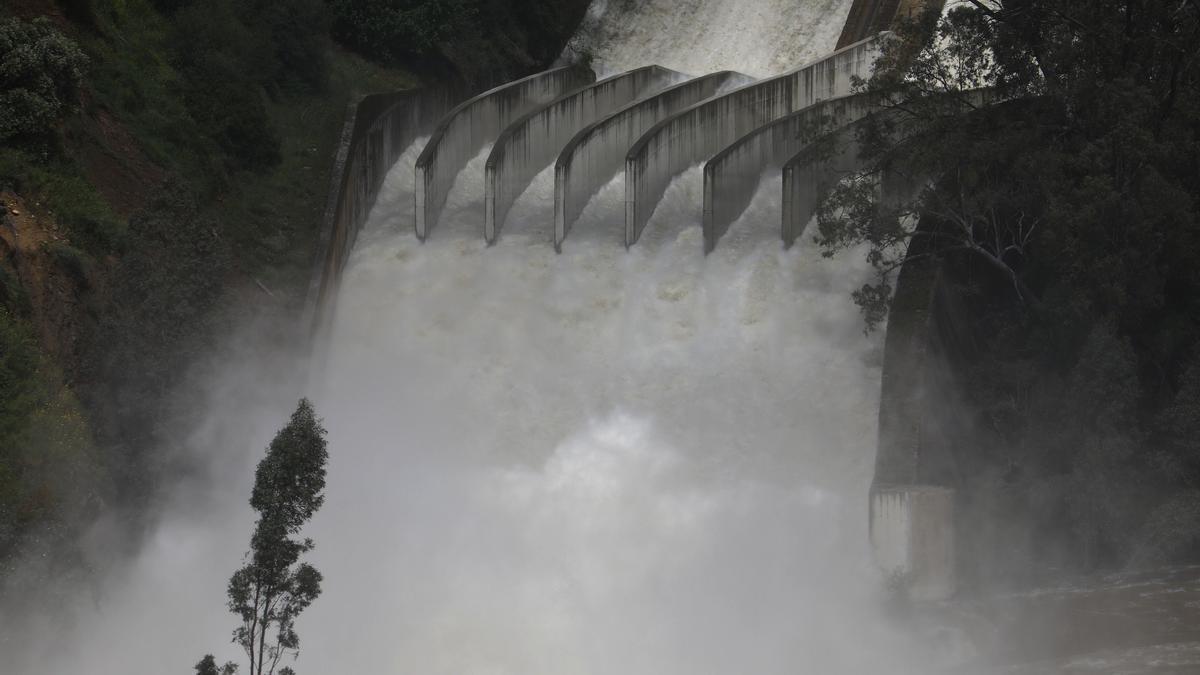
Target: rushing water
{"type": "Point", "coordinates": [756, 37]}
{"type": "Point", "coordinates": [600, 462]}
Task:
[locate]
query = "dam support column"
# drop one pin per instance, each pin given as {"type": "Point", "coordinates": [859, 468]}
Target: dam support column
{"type": "Point", "coordinates": [912, 536]}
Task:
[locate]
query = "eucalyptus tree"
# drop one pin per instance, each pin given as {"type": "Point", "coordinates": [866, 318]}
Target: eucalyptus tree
{"type": "Point", "coordinates": [274, 586]}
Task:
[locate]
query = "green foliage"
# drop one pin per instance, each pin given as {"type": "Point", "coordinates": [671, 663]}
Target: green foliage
{"type": "Point", "coordinates": [76, 263]}
{"type": "Point", "coordinates": [390, 30]}
{"type": "Point", "coordinates": [40, 74]}
{"type": "Point", "coordinates": [297, 33]}
{"type": "Point", "coordinates": [483, 40]}
{"type": "Point", "coordinates": [49, 471]}
{"type": "Point", "coordinates": [208, 666]}
{"type": "Point", "coordinates": [12, 293]}
{"type": "Point", "coordinates": [20, 389]}
{"type": "Point", "coordinates": [171, 277]}
{"type": "Point", "coordinates": [218, 57]}
{"type": "Point", "coordinates": [72, 200]}
{"type": "Point", "coordinates": [274, 586]}
{"type": "Point", "coordinates": [196, 82]}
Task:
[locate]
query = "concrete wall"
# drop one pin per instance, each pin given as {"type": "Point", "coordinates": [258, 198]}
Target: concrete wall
{"type": "Point", "coordinates": [377, 130]}
{"type": "Point", "coordinates": [532, 142]}
{"type": "Point", "coordinates": [732, 177]}
{"type": "Point", "coordinates": [699, 132]}
{"type": "Point", "coordinates": [466, 129]}
{"type": "Point", "coordinates": [912, 535]}
{"type": "Point", "coordinates": [908, 385]}
{"type": "Point", "coordinates": [598, 151]}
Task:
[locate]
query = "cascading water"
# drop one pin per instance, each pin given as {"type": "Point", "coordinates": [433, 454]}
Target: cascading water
{"type": "Point", "coordinates": [602, 462]}
{"type": "Point", "coordinates": [757, 37]}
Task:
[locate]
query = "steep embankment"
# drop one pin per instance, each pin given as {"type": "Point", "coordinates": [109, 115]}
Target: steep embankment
{"type": "Point", "coordinates": [182, 183]}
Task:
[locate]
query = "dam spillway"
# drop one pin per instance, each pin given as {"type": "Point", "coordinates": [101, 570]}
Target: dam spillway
{"type": "Point", "coordinates": [662, 131]}
{"type": "Point", "coordinates": [697, 133]}
{"type": "Point", "coordinates": [475, 123]}
{"type": "Point", "coordinates": [738, 130]}
{"type": "Point", "coordinates": [597, 152]}
{"type": "Point", "coordinates": [643, 461]}
{"type": "Point", "coordinates": [533, 141]}
{"type": "Point", "coordinates": [777, 125]}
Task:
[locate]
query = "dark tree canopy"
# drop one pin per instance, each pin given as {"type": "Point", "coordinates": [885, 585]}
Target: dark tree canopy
{"type": "Point", "coordinates": [1065, 209]}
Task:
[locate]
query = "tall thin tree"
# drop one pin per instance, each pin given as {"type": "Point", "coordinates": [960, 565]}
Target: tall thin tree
{"type": "Point", "coordinates": [274, 586]}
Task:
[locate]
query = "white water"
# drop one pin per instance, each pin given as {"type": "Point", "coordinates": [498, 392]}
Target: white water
{"type": "Point", "coordinates": [599, 462]}
{"type": "Point", "coordinates": [756, 37]}
{"type": "Point", "coordinates": [602, 462]}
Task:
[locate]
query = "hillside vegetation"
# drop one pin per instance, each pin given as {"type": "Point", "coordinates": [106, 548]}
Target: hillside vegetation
{"type": "Point", "coordinates": [161, 163]}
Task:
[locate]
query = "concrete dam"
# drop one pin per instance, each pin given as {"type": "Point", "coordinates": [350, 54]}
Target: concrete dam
{"type": "Point", "coordinates": [632, 121]}
{"type": "Point", "coordinates": [596, 402]}
{"type": "Point", "coordinates": [640, 130]}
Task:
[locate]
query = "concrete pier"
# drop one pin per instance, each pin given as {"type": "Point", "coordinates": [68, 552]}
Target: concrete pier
{"type": "Point", "coordinates": [597, 152]}
{"type": "Point", "coordinates": [694, 135]}
{"type": "Point", "coordinates": [531, 143]}
{"type": "Point", "coordinates": [912, 534]}
{"type": "Point", "coordinates": [811, 174]}
{"type": "Point", "coordinates": [732, 176]}
{"type": "Point", "coordinates": [466, 129]}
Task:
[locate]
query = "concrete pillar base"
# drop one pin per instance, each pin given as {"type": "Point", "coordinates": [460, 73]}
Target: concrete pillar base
{"type": "Point", "coordinates": [912, 535]}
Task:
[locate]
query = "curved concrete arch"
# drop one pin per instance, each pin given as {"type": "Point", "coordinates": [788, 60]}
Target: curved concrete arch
{"type": "Point", "coordinates": [732, 176]}
{"type": "Point", "coordinates": [597, 152]}
{"type": "Point", "coordinates": [810, 174]}
{"type": "Point", "coordinates": [697, 133]}
{"type": "Point", "coordinates": [469, 126]}
{"type": "Point", "coordinates": [531, 143]}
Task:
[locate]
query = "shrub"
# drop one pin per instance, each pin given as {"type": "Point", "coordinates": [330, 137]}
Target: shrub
{"type": "Point", "coordinates": [220, 59]}
{"type": "Point", "coordinates": [297, 32]}
{"type": "Point", "coordinates": [170, 280]}
{"type": "Point", "coordinates": [73, 201]}
{"type": "Point", "coordinates": [40, 74]}
{"type": "Point", "coordinates": [389, 31]}
{"type": "Point", "coordinates": [76, 263]}
{"type": "Point", "coordinates": [50, 474]}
